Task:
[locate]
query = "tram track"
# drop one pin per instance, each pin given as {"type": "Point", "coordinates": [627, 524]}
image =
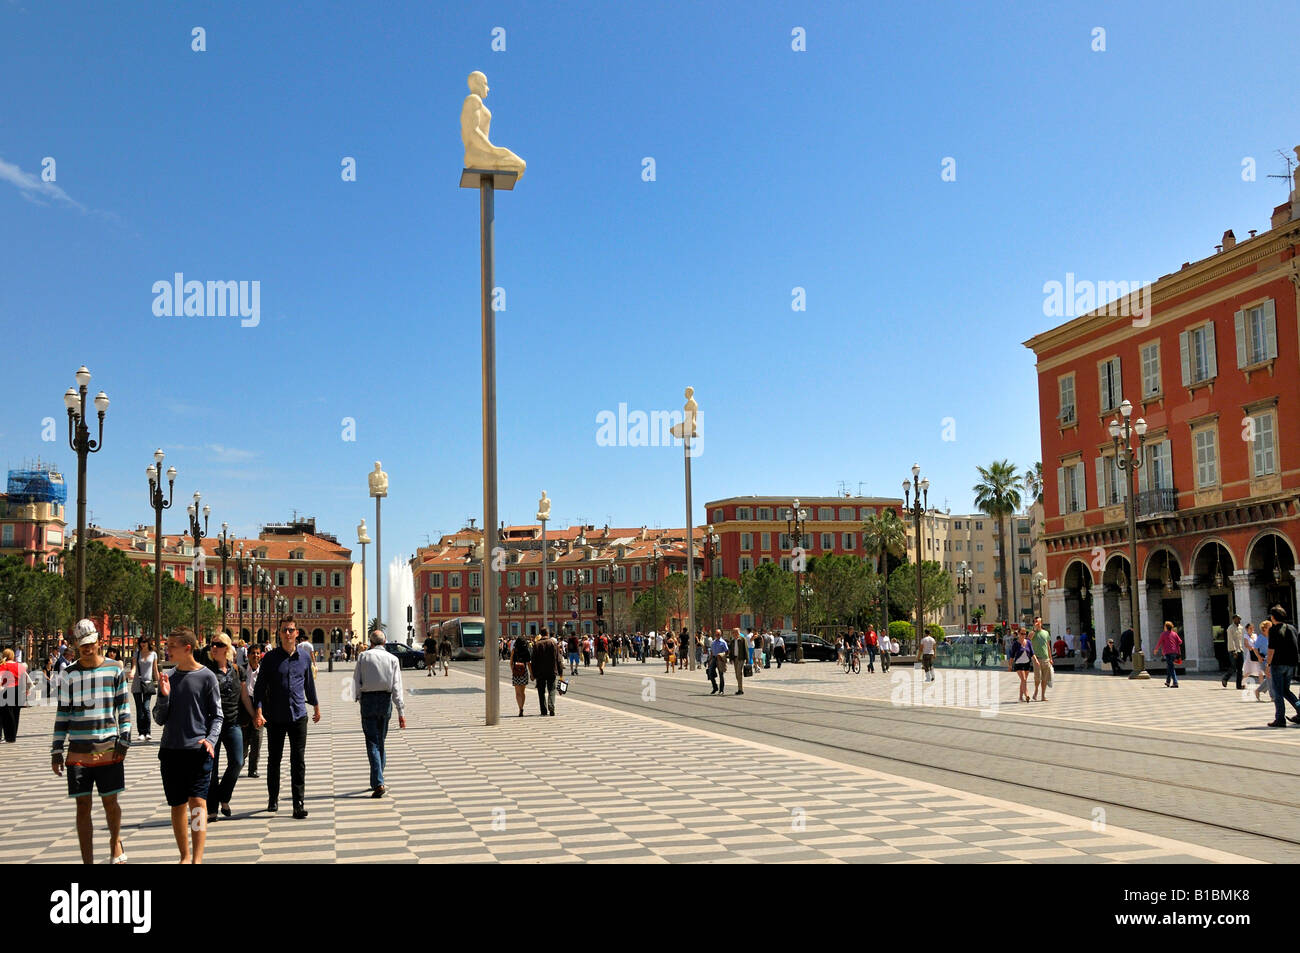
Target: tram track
{"type": "Point", "coordinates": [1164, 785]}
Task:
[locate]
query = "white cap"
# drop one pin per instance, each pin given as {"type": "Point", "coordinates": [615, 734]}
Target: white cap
{"type": "Point", "coordinates": [85, 633]}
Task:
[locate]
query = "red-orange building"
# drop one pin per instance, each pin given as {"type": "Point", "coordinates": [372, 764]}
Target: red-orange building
{"type": "Point", "coordinates": [448, 577]}
{"type": "Point", "coordinates": [1211, 367]}
{"type": "Point", "coordinates": [753, 530]}
{"type": "Point", "coordinates": [310, 569]}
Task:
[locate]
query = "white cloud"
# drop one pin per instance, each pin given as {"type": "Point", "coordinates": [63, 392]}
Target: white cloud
{"type": "Point", "coordinates": [32, 188]}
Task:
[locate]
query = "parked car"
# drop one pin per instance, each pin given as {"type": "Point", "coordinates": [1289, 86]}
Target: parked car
{"type": "Point", "coordinates": [407, 656]}
{"type": "Point", "coordinates": [815, 648]}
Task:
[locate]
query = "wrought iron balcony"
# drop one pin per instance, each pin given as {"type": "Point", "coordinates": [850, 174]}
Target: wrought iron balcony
{"type": "Point", "coordinates": [1156, 502]}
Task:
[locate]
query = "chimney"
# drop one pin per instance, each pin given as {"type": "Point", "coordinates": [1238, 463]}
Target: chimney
{"type": "Point", "coordinates": [1281, 215]}
{"type": "Point", "coordinates": [1229, 240]}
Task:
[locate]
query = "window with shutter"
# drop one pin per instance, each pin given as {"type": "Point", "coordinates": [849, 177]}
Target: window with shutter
{"type": "Point", "coordinates": [1151, 369]}
{"type": "Point", "coordinates": [1184, 354]}
{"type": "Point", "coordinates": [1060, 491]}
{"type": "Point", "coordinates": [1103, 498]}
{"type": "Point", "coordinates": [1065, 387]}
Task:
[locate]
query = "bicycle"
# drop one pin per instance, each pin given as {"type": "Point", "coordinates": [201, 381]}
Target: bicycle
{"type": "Point", "coordinates": [852, 663]}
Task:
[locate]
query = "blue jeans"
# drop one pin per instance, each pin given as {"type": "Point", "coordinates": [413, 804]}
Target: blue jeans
{"type": "Point", "coordinates": [1281, 676]}
{"type": "Point", "coordinates": [1170, 674]}
{"type": "Point", "coordinates": [376, 710]}
{"type": "Point", "coordinates": [223, 785]}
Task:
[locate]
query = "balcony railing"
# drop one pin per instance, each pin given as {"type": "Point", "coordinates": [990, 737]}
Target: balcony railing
{"type": "Point", "coordinates": [1155, 502]}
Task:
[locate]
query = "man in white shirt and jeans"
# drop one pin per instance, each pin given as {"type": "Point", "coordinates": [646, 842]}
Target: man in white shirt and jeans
{"type": "Point", "coordinates": [927, 656]}
{"type": "Point", "coordinates": [377, 685]}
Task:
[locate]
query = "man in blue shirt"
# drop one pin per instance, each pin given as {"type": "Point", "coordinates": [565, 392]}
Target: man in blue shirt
{"type": "Point", "coordinates": [717, 664]}
{"type": "Point", "coordinates": [285, 687]}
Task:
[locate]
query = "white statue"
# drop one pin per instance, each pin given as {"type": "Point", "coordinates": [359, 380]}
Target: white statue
{"type": "Point", "coordinates": [378, 481]}
{"type": "Point", "coordinates": [1296, 150]}
{"type": "Point", "coordinates": [687, 427]}
{"type": "Point", "coordinates": [543, 508]}
{"type": "Point", "coordinates": [362, 535]}
{"type": "Point", "coordinates": [475, 118]}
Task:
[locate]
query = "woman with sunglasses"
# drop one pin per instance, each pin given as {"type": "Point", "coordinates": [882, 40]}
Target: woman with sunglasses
{"type": "Point", "coordinates": [236, 710]}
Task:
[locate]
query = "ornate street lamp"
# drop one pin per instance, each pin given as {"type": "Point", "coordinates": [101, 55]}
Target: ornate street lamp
{"type": "Point", "coordinates": [794, 525]}
{"type": "Point", "coordinates": [610, 617]}
{"type": "Point", "coordinates": [224, 551]}
{"type": "Point", "coordinates": [1128, 457]}
{"type": "Point", "coordinates": [239, 582]}
{"type": "Point", "coordinates": [82, 445]}
{"type": "Point", "coordinates": [919, 491]}
{"type": "Point", "coordinates": [159, 503]}
{"type": "Point", "coordinates": [1040, 589]}
{"type": "Point", "coordinates": [963, 586]}
{"type": "Point", "coordinates": [654, 575]}
{"type": "Point", "coordinates": [198, 534]}
{"type": "Point", "coordinates": [711, 543]}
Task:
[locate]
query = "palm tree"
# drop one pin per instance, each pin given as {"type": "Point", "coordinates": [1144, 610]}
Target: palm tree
{"type": "Point", "coordinates": [374, 624]}
{"type": "Point", "coordinates": [1034, 482]}
{"type": "Point", "coordinates": [882, 534]}
{"type": "Point", "coordinates": [998, 496]}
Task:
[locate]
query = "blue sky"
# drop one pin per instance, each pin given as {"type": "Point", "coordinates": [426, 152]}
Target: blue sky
{"type": "Point", "coordinates": [775, 169]}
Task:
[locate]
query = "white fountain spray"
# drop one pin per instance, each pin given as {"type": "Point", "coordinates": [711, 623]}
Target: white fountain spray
{"type": "Point", "coordinates": [400, 595]}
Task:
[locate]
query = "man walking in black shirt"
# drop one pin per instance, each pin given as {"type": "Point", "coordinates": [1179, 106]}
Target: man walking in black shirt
{"type": "Point", "coordinates": [285, 687]}
{"type": "Point", "coordinates": [1280, 667]}
{"type": "Point", "coordinates": [546, 666]}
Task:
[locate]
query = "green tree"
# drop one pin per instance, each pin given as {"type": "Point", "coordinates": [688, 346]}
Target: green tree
{"type": "Point", "coordinates": [643, 612]}
{"type": "Point", "coordinates": [839, 584]}
{"type": "Point", "coordinates": [672, 597]}
{"type": "Point", "coordinates": [937, 587]}
{"type": "Point", "coordinates": [1033, 480]}
{"type": "Point", "coordinates": [768, 592]}
{"type": "Point", "coordinates": [883, 535]}
{"type": "Point", "coordinates": [998, 495]}
{"type": "Point", "coordinates": [716, 598]}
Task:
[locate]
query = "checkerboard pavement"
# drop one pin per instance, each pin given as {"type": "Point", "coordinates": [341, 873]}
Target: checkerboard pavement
{"type": "Point", "coordinates": [1201, 705]}
{"type": "Point", "coordinates": [592, 784]}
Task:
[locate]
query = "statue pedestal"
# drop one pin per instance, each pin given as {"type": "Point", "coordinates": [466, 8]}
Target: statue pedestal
{"type": "Point", "coordinates": [501, 179]}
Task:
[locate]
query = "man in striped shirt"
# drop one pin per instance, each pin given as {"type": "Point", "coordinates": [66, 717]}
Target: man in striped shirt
{"type": "Point", "coordinates": [94, 721]}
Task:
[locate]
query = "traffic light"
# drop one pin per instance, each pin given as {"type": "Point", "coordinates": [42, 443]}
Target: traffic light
{"type": "Point", "coordinates": [600, 607]}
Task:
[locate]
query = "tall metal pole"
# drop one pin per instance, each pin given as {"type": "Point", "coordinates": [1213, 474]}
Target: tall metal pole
{"type": "Point", "coordinates": [79, 440]}
{"type": "Point", "coordinates": [544, 562]}
{"type": "Point", "coordinates": [487, 234]}
{"type": "Point", "coordinates": [690, 556]}
{"type": "Point", "coordinates": [81, 513]}
{"type": "Point", "coordinates": [365, 605]}
{"type": "Point", "coordinates": [379, 564]}
{"type": "Point", "coordinates": [1129, 459]}
{"type": "Point", "coordinates": [239, 591]}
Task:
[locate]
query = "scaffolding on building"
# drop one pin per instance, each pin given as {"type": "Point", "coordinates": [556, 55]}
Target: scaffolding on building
{"type": "Point", "coordinates": [37, 483]}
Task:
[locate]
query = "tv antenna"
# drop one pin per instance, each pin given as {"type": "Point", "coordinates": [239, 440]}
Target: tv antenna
{"type": "Point", "coordinates": [1288, 177]}
{"type": "Point", "coordinates": [861, 484]}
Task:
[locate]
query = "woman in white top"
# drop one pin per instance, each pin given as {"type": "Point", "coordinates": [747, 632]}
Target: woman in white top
{"type": "Point", "coordinates": [1252, 666]}
{"type": "Point", "coordinates": [144, 682]}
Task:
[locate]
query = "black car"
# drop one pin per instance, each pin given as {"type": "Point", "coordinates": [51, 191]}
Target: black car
{"type": "Point", "coordinates": [407, 656]}
{"type": "Point", "coordinates": [815, 648]}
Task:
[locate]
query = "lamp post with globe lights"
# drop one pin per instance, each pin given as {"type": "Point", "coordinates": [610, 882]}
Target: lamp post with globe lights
{"type": "Point", "coordinates": [198, 534]}
{"type": "Point", "coordinates": [1128, 457]}
{"type": "Point", "coordinates": [794, 527]}
{"type": "Point", "coordinates": [82, 445]}
{"type": "Point", "coordinates": [159, 503]}
{"type": "Point", "coordinates": [918, 491]}
{"type": "Point", "coordinates": [224, 553]}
